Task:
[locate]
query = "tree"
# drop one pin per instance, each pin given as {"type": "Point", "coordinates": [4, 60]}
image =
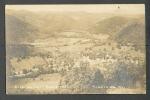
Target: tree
{"type": "Point", "coordinates": [98, 79]}
{"type": "Point", "coordinates": [83, 79]}
{"type": "Point", "coordinates": [122, 77]}
{"type": "Point", "coordinates": [118, 46]}
{"type": "Point", "coordinates": [24, 71]}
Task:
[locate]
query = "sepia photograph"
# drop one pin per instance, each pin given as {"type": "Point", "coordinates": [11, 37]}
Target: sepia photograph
{"type": "Point", "coordinates": [75, 49]}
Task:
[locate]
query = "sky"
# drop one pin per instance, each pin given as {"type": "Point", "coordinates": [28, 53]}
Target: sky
{"type": "Point", "coordinates": [92, 8]}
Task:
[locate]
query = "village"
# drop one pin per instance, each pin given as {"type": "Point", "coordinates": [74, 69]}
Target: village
{"type": "Point", "coordinates": [99, 56]}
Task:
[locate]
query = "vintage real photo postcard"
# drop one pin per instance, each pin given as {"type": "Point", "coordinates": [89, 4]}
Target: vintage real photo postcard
{"type": "Point", "coordinates": [75, 49]}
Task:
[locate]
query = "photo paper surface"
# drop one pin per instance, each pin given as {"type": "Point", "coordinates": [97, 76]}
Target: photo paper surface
{"type": "Point", "coordinates": [75, 49]}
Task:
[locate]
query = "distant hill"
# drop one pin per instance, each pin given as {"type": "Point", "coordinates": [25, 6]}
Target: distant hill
{"type": "Point", "coordinates": [33, 25]}
{"type": "Point", "coordinates": [18, 30]}
{"type": "Point", "coordinates": [26, 26]}
{"type": "Point", "coordinates": [133, 33]}
{"type": "Point", "coordinates": [110, 25]}
{"type": "Point", "coordinates": [123, 29]}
